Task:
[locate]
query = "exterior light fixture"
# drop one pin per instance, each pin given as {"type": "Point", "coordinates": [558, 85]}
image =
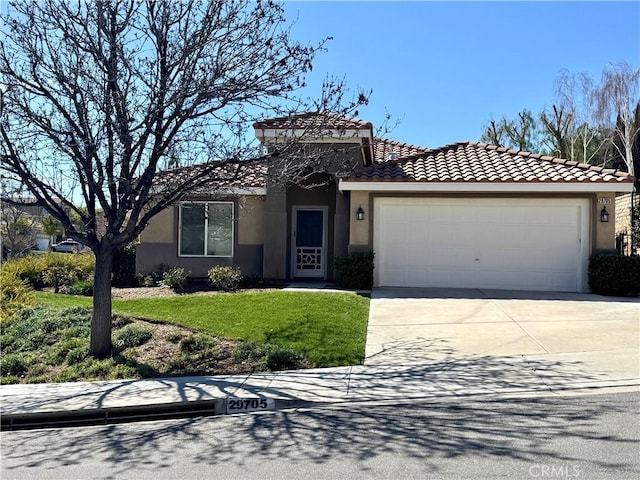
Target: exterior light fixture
{"type": "Point", "coordinates": [360, 213]}
{"type": "Point", "coordinates": [604, 215]}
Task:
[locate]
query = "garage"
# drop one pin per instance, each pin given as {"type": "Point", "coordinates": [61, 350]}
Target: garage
{"type": "Point", "coordinates": [492, 243]}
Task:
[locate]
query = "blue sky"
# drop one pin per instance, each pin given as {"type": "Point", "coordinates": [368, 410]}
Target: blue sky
{"type": "Point", "coordinates": [445, 68]}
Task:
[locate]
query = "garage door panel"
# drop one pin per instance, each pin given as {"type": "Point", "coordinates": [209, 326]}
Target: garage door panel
{"type": "Point", "coordinates": [481, 243]}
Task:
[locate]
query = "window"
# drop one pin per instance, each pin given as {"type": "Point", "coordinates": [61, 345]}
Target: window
{"type": "Point", "coordinates": [206, 229]}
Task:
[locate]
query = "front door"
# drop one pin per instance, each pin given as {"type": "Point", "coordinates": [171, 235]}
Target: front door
{"type": "Point", "coordinates": [309, 241]}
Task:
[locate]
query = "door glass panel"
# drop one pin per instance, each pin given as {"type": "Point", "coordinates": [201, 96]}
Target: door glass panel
{"type": "Point", "coordinates": [309, 225]}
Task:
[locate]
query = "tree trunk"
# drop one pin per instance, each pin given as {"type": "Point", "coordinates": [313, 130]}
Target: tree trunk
{"type": "Point", "coordinates": [100, 346]}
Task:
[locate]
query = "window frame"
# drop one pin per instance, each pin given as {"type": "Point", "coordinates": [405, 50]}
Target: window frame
{"type": "Point", "coordinates": [206, 228]}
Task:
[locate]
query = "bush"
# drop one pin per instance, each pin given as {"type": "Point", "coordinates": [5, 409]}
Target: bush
{"type": "Point", "coordinates": [155, 277]}
{"type": "Point", "coordinates": [15, 294]}
{"type": "Point", "coordinates": [13, 364]}
{"type": "Point", "coordinates": [52, 269]}
{"type": "Point", "coordinates": [614, 275]}
{"type": "Point", "coordinates": [124, 267]}
{"type": "Point", "coordinates": [130, 336]}
{"type": "Point", "coordinates": [28, 269]}
{"type": "Point", "coordinates": [268, 357]}
{"type": "Point", "coordinates": [175, 278]}
{"type": "Point", "coordinates": [355, 271]}
{"type": "Point", "coordinates": [195, 343]}
{"type": "Point", "coordinates": [227, 279]}
{"type": "Point", "coordinates": [81, 287]}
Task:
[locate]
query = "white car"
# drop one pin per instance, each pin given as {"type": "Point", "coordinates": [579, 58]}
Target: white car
{"type": "Point", "coordinates": [69, 246]}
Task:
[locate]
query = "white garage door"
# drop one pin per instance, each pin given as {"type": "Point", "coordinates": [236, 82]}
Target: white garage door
{"type": "Point", "coordinates": [513, 244]}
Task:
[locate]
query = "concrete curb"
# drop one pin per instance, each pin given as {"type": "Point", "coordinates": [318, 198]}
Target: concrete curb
{"type": "Point", "coordinates": [219, 406]}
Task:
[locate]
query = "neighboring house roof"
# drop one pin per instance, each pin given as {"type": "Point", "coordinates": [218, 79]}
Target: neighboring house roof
{"type": "Point", "coordinates": [479, 162]}
{"type": "Point", "coordinates": [311, 120]}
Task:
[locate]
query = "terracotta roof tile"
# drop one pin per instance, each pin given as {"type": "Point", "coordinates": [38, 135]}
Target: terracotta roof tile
{"type": "Point", "coordinates": [229, 175]}
{"type": "Point", "coordinates": [384, 149]}
{"type": "Point", "coordinates": [479, 162]}
{"type": "Point", "coordinates": [313, 120]}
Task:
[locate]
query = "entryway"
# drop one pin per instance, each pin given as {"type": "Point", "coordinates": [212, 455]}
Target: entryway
{"type": "Point", "coordinates": [309, 242]}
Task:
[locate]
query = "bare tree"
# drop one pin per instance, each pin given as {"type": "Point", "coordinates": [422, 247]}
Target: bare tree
{"type": "Point", "coordinates": [557, 124]}
{"type": "Point", "coordinates": [616, 100]}
{"type": "Point", "coordinates": [494, 133]}
{"type": "Point", "coordinates": [100, 95]}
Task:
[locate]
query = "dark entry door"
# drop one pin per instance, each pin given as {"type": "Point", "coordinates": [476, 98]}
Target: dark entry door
{"type": "Point", "coordinates": [309, 250]}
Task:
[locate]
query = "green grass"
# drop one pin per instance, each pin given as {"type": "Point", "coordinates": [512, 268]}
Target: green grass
{"type": "Point", "coordinates": [329, 329]}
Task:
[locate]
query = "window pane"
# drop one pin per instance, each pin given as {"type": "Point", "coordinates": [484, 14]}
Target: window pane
{"type": "Point", "coordinates": [220, 234]}
{"type": "Point", "coordinates": [192, 230]}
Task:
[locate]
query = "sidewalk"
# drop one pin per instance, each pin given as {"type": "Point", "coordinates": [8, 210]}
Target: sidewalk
{"type": "Point", "coordinates": [22, 405]}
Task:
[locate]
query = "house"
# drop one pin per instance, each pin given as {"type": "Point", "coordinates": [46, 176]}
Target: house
{"type": "Point", "coordinates": [467, 215]}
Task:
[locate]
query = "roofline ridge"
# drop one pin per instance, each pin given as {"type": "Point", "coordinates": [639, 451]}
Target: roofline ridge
{"type": "Point", "coordinates": [398, 142]}
{"type": "Point", "coordinates": [327, 113]}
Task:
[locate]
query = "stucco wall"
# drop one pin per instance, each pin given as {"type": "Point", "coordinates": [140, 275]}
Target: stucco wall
{"type": "Point", "coordinates": [605, 241]}
{"type": "Point", "coordinates": [159, 241]}
{"type": "Point", "coordinates": [623, 213]}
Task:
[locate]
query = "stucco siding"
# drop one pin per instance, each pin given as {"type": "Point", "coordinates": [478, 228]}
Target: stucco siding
{"type": "Point", "coordinates": [623, 213]}
{"type": "Point", "coordinates": [251, 214]}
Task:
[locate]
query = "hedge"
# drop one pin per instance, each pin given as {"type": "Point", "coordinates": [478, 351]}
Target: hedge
{"type": "Point", "coordinates": [355, 271]}
{"type": "Point", "coordinates": [616, 275]}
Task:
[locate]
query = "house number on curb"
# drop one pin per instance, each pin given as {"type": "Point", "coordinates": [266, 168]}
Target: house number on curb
{"type": "Point", "coordinates": [239, 405]}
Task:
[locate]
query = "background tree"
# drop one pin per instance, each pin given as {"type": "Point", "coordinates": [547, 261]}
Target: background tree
{"type": "Point", "coordinates": [102, 94]}
{"type": "Point", "coordinates": [617, 100]}
{"type": "Point", "coordinates": [18, 230]}
{"type": "Point", "coordinates": [556, 125]}
{"type": "Point", "coordinates": [520, 133]}
{"type": "Point", "coordinates": [52, 228]}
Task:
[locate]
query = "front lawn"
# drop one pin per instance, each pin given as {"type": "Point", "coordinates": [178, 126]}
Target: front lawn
{"type": "Point", "coordinates": [328, 329]}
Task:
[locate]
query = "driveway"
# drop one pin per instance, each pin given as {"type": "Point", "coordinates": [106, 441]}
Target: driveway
{"type": "Point", "coordinates": [594, 335]}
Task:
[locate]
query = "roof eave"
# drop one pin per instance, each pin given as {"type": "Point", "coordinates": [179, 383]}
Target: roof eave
{"type": "Point", "coordinates": [487, 187]}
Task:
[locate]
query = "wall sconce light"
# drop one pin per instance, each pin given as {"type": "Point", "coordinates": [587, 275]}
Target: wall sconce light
{"type": "Point", "coordinates": [604, 215]}
{"type": "Point", "coordinates": [360, 213]}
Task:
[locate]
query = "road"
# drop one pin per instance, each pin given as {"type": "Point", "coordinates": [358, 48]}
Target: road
{"type": "Point", "coordinates": [585, 437]}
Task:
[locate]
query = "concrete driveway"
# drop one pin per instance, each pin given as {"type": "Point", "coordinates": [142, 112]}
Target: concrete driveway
{"type": "Point", "coordinates": [595, 337]}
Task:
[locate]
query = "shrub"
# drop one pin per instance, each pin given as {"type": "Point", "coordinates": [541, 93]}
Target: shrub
{"type": "Point", "coordinates": [57, 276]}
{"type": "Point", "coordinates": [249, 281]}
{"type": "Point", "coordinates": [124, 266]}
{"type": "Point", "coordinates": [15, 294]}
{"type": "Point", "coordinates": [14, 364]}
{"type": "Point", "coordinates": [81, 287]}
{"type": "Point", "coordinates": [155, 277]}
{"type": "Point", "coordinates": [175, 278]}
{"type": "Point", "coordinates": [52, 269]}
{"type": "Point", "coordinates": [174, 337]}
{"type": "Point", "coordinates": [614, 275]}
{"type": "Point", "coordinates": [195, 343]}
{"type": "Point", "coordinates": [355, 271]}
{"type": "Point", "coordinates": [268, 357]}
{"type": "Point", "coordinates": [227, 279]}
{"type": "Point", "coordinates": [29, 269]}
{"type": "Point", "coordinates": [130, 336]}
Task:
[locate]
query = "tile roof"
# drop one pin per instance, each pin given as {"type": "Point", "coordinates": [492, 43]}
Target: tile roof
{"type": "Point", "coordinates": [479, 162]}
{"type": "Point", "coordinates": [243, 174]}
{"type": "Point", "coordinates": [313, 120]}
{"type": "Point", "coordinates": [384, 149]}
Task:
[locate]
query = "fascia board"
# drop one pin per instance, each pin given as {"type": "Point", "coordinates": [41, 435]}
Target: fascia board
{"type": "Point", "coordinates": [487, 187]}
